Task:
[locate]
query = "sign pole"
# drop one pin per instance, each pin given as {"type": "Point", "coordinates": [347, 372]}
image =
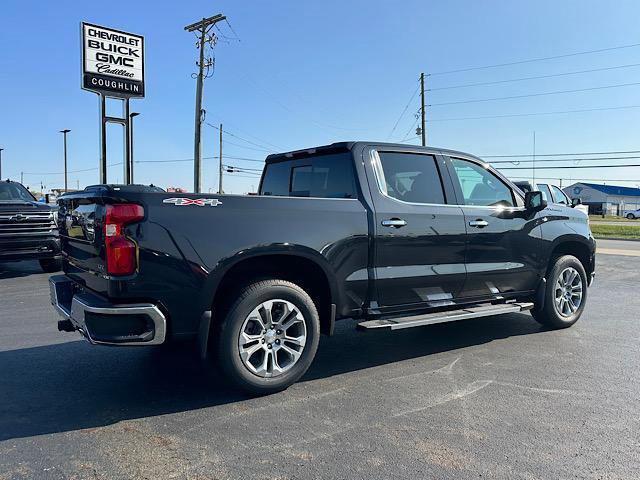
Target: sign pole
{"type": "Point", "coordinates": [127, 142]}
{"type": "Point", "coordinates": [103, 139]}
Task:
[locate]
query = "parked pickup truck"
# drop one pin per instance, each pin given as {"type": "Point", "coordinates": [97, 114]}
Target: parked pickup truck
{"type": "Point", "coordinates": [27, 228]}
{"type": "Point", "coordinates": [394, 236]}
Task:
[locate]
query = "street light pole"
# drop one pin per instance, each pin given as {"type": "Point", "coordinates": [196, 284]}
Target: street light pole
{"type": "Point", "coordinates": [1, 149]}
{"type": "Point", "coordinates": [64, 133]}
{"type": "Point", "coordinates": [132, 115]}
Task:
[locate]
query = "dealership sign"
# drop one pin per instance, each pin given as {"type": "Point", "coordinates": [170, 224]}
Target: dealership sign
{"type": "Point", "coordinates": [112, 61]}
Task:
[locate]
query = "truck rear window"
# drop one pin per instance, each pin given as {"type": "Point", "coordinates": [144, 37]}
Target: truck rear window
{"type": "Point", "coordinates": [322, 176]}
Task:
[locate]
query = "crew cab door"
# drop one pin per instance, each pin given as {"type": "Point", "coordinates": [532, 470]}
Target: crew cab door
{"type": "Point", "coordinates": [502, 250]}
{"type": "Point", "coordinates": [419, 238]}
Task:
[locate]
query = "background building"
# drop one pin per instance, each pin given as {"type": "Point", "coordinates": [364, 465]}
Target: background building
{"type": "Point", "coordinates": [610, 199]}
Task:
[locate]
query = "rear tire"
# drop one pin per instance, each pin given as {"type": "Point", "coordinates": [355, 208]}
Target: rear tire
{"type": "Point", "coordinates": [50, 265]}
{"type": "Point", "coordinates": [565, 294]}
{"type": "Point", "coordinates": [631, 216]}
{"type": "Point", "coordinates": [269, 336]}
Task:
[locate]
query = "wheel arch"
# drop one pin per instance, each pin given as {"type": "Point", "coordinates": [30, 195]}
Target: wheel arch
{"type": "Point", "coordinates": [575, 245]}
{"type": "Point", "coordinates": [298, 264]}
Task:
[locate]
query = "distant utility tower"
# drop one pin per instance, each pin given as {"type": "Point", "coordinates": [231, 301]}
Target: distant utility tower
{"type": "Point", "coordinates": [205, 37]}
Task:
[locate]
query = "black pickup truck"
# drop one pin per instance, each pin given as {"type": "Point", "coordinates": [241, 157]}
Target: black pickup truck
{"type": "Point", "coordinates": [27, 228]}
{"type": "Point", "coordinates": [394, 236]}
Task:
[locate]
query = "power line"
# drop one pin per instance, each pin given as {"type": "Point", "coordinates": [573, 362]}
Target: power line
{"type": "Point", "coordinates": [262, 141]}
{"type": "Point", "coordinates": [246, 176]}
{"type": "Point", "coordinates": [565, 160]}
{"type": "Point", "coordinates": [406, 136]}
{"type": "Point", "coordinates": [406, 140]}
{"type": "Point", "coordinates": [175, 160]}
{"type": "Point", "coordinates": [621, 152]}
{"type": "Point", "coordinates": [569, 167]}
{"type": "Point", "coordinates": [254, 149]}
{"type": "Point", "coordinates": [243, 169]}
{"type": "Point", "coordinates": [557, 92]}
{"type": "Point", "coordinates": [404, 111]}
{"type": "Point", "coordinates": [324, 126]}
{"type": "Point", "coordinates": [232, 30]}
{"type": "Point", "coordinates": [240, 138]}
{"type": "Point", "coordinates": [70, 171]}
{"type": "Point", "coordinates": [582, 179]}
{"type": "Point", "coordinates": [532, 114]}
{"type": "Point", "coordinates": [531, 60]}
{"type": "Point", "coordinates": [496, 82]}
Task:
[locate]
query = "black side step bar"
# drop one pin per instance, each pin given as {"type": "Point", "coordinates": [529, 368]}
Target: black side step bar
{"type": "Point", "coordinates": [477, 311]}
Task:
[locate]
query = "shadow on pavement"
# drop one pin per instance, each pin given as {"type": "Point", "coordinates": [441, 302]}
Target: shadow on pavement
{"type": "Point", "coordinates": [71, 386]}
{"type": "Point", "coordinates": [19, 269]}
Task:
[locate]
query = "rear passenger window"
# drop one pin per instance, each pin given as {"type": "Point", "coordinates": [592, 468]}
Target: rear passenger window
{"type": "Point", "coordinates": [324, 176]}
{"type": "Point", "coordinates": [276, 179]}
{"type": "Point", "coordinates": [410, 177]}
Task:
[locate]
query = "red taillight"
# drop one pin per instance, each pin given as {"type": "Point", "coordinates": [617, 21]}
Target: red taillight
{"type": "Point", "coordinates": [120, 251]}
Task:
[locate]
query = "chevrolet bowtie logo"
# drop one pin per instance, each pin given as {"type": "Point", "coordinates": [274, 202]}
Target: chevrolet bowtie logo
{"type": "Point", "coordinates": [18, 218]}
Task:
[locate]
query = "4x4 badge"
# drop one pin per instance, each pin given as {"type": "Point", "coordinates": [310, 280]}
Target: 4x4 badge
{"type": "Point", "coordinates": [201, 202]}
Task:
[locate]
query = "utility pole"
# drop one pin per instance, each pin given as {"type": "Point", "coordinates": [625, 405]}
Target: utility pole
{"type": "Point", "coordinates": [220, 164]}
{"type": "Point", "coordinates": [64, 133]}
{"type": "Point", "coordinates": [22, 178]}
{"type": "Point", "coordinates": [203, 28]}
{"type": "Point", "coordinates": [1, 149]}
{"type": "Point", "coordinates": [423, 130]}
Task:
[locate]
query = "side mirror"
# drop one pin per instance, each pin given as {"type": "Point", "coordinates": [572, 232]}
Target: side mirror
{"type": "Point", "coordinates": [534, 202]}
{"type": "Point", "coordinates": [575, 202]}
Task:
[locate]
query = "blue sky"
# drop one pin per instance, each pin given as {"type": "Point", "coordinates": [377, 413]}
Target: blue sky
{"type": "Point", "coordinates": [309, 73]}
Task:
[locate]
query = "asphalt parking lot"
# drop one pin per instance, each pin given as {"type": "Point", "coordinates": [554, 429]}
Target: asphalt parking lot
{"type": "Point", "coordinates": [495, 397]}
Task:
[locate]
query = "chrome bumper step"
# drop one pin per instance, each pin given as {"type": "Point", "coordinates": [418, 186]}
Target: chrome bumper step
{"type": "Point", "coordinates": [81, 310]}
{"type": "Point", "coordinates": [478, 311]}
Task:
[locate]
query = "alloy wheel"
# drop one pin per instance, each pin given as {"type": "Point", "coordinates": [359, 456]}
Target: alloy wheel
{"type": "Point", "coordinates": [272, 338]}
{"type": "Point", "coordinates": [568, 292]}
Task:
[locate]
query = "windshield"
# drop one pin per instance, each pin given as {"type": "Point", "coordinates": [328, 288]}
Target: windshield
{"type": "Point", "coordinates": [14, 191]}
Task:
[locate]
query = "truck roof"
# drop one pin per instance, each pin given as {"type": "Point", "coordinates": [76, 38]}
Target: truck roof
{"type": "Point", "coordinates": [338, 147]}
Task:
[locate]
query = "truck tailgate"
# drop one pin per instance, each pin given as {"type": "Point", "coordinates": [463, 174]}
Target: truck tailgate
{"type": "Point", "coordinates": [79, 224]}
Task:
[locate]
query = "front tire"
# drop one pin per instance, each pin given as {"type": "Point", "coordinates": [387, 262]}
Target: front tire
{"type": "Point", "coordinates": [565, 294]}
{"type": "Point", "coordinates": [631, 216]}
{"type": "Point", "coordinates": [269, 336]}
{"type": "Point", "coordinates": [50, 265]}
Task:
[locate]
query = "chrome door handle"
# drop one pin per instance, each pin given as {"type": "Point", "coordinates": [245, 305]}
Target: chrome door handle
{"type": "Point", "coordinates": [394, 222]}
{"type": "Point", "coordinates": [478, 223]}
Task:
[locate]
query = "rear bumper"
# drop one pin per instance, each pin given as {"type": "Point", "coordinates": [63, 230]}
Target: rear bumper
{"type": "Point", "coordinates": [104, 323]}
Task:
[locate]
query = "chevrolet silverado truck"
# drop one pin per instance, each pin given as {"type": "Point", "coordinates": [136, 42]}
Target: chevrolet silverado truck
{"type": "Point", "coordinates": [393, 236]}
{"type": "Point", "coordinates": [27, 228]}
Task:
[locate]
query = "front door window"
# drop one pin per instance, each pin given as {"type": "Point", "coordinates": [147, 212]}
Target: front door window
{"type": "Point", "coordinates": [479, 186]}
